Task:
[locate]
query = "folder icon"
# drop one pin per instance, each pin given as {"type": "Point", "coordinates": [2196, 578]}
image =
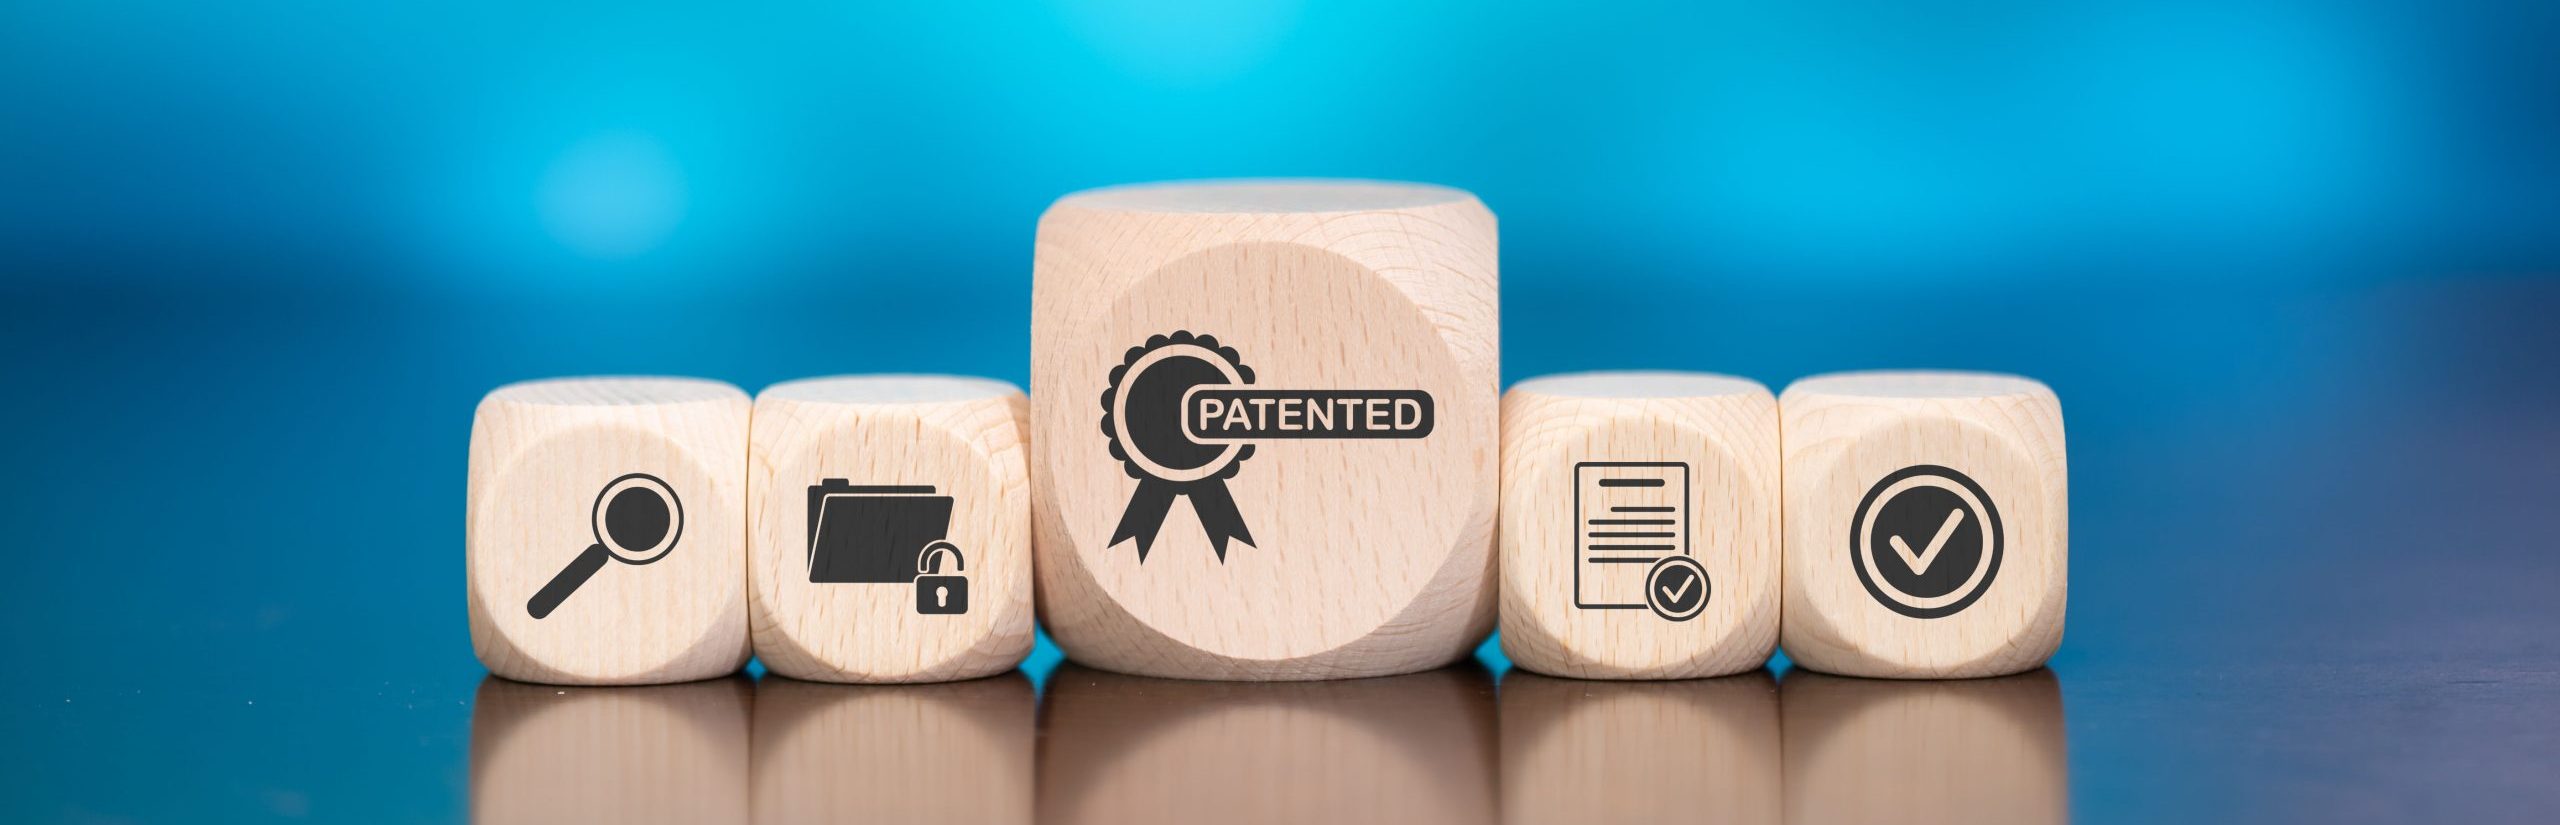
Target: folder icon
{"type": "Point", "coordinates": [872, 533]}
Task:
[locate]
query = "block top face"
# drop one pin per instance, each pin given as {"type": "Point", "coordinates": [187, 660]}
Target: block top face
{"type": "Point", "coordinates": [613, 392]}
{"type": "Point", "coordinates": [1640, 385]}
{"type": "Point", "coordinates": [888, 390]}
{"type": "Point", "coordinates": [1256, 197]}
{"type": "Point", "coordinates": [1919, 385]}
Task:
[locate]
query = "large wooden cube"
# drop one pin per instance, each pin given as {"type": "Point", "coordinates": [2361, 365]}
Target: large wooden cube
{"type": "Point", "coordinates": [1264, 427]}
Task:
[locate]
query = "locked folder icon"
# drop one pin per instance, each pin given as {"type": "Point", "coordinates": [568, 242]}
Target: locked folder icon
{"type": "Point", "coordinates": [872, 534]}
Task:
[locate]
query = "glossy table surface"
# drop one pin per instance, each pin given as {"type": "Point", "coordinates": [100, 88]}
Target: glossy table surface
{"type": "Point", "coordinates": [2313, 579]}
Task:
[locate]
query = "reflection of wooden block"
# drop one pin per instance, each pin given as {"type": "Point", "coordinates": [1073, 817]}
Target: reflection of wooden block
{"type": "Point", "coordinates": [604, 530]}
{"type": "Point", "coordinates": [1860, 750]}
{"type": "Point", "coordinates": [917, 459]}
{"type": "Point", "coordinates": [1926, 524]}
{"type": "Point", "coordinates": [954, 752]}
{"type": "Point", "coordinates": [1639, 525]}
{"type": "Point", "coordinates": [1408, 749]}
{"type": "Point", "coordinates": [617, 755]}
{"type": "Point", "coordinates": [1265, 428]}
{"type": "Point", "coordinates": [1701, 750]}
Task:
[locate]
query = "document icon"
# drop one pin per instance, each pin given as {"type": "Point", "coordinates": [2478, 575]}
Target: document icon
{"type": "Point", "coordinates": [1629, 515]}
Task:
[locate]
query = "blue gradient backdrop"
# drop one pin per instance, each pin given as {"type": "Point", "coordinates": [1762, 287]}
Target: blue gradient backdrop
{"type": "Point", "coordinates": [259, 259]}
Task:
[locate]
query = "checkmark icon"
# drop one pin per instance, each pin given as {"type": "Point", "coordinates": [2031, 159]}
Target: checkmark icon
{"type": "Point", "coordinates": [1901, 510]}
{"type": "Point", "coordinates": [1920, 561]}
{"type": "Point", "coordinates": [1677, 588]}
{"type": "Point", "coordinates": [1671, 596]}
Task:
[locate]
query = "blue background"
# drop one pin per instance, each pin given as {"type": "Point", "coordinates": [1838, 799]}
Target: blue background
{"type": "Point", "coordinates": [258, 260]}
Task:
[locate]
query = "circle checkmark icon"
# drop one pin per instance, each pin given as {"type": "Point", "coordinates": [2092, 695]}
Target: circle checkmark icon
{"type": "Point", "coordinates": [1926, 541]}
{"type": "Point", "coordinates": [1676, 588]}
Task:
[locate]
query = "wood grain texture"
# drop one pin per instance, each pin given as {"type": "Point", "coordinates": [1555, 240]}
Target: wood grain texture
{"type": "Point", "coordinates": [1725, 430]}
{"type": "Point", "coordinates": [543, 755]}
{"type": "Point", "coordinates": [961, 436]}
{"type": "Point", "coordinates": [1970, 751]}
{"type": "Point", "coordinates": [958, 752]}
{"type": "Point", "coordinates": [1699, 750]}
{"type": "Point", "coordinates": [541, 452]}
{"type": "Point", "coordinates": [1412, 749]}
{"type": "Point", "coordinates": [1845, 434]}
{"type": "Point", "coordinates": [1367, 557]}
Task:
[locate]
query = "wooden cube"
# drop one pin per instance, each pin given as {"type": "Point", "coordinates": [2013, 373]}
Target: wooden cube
{"type": "Point", "coordinates": [543, 755]}
{"type": "Point", "coordinates": [954, 752]}
{"type": "Point", "coordinates": [1264, 428]}
{"type": "Point", "coordinates": [1412, 749]}
{"type": "Point", "coordinates": [1969, 751]}
{"type": "Point", "coordinates": [889, 529]}
{"type": "Point", "coordinates": [1699, 750]}
{"type": "Point", "coordinates": [1639, 525]}
{"type": "Point", "coordinates": [605, 536]}
{"type": "Point", "coordinates": [1926, 524]}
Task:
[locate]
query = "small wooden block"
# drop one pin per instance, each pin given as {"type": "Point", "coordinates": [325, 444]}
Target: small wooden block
{"type": "Point", "coordinates": [1639, 525]}
{"type": "Point", "coordinates": [1412, 749]}
{"type": "Point", "coordinates": [889, 529]}
{"type": "Point", "coordinates": [954, 752]}
{"type": "Point", "coordinates": [1702, 750]}
{"type": "Point", "coordinates": [1861, 750]}
{"type": "Point", "coordinates": [1264, 428]}
{"type": "Point", "coordinates": [605, 531]}
{"type": "Point", "coordinates": [1926, 521]}
{"type": "Point", "coordinates": [543, 755]}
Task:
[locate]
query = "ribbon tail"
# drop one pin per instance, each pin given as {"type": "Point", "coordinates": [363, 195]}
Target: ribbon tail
{"type": "Point", "coordinates": [1144, 515]}
{"type": "Point", "coordinates": [1218, 516]}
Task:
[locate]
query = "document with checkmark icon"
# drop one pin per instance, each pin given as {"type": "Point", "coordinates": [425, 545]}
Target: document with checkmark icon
{"type": "Point", "coordinates": [1629, 517]}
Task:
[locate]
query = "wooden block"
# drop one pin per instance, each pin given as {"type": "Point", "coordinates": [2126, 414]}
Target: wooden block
{"type": "Point", "coordinates": [1703, 750]}
{"type": "Point", "coordinates": [953, 752]}
{"type": "Point", "coordinates": [1639, 525]}
{"type": "Point", "coordinates": [1926, 523]}
{"type": "Point", "coordinates": [889, 529]}
{"type": "Point", "coordinates": [543, 755]}
{"type": "Point", "coordinates": [1411, 749]}
{"type": "Point", "coordinates": [1862, 750]}
{"type": "Point", "coordinates": [1264, 428]}
{"type": "Point", "coordinates": [605, 538]}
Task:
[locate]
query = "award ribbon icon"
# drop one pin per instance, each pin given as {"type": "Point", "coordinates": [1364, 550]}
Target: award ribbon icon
{"type": "Point", "coordinates": [1181, 416]}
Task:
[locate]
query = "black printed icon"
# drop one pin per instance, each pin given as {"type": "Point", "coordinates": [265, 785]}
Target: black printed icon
{"type": "Point", "coordinates": [1181, 415]}
{"type": "Point", "coordinates": [1676, 588]}
{"type": "Point", "coordinates": [1926, 541]}
{"type": "Point", "coordinates": [938, 593]}
{"type": "Point", "coordinates": [886, 534]}
{"type": "Point", "coordinates": [1631, 539]}
{"type": "Point", "coordinates": [636, 519]}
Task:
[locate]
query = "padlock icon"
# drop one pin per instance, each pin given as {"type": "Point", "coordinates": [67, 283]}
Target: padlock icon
{"type": "Point", "coordinates": [938, 594]}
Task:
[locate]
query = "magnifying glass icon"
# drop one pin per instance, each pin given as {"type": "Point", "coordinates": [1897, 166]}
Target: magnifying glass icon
{"type": "Point", "coordinates": [637, 519]}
